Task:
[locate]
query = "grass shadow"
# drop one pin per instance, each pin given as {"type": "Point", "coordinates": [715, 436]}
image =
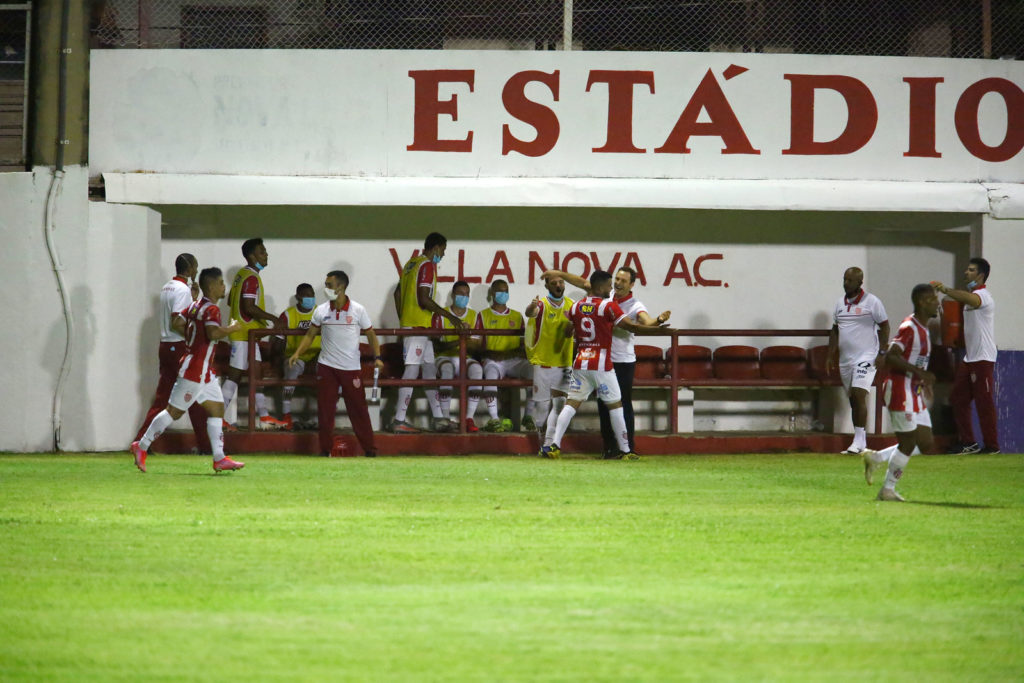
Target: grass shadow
{"type": "Point", "coordinates": [969, 506]}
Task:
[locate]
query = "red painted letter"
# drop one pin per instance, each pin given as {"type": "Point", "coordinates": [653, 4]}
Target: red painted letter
{"type": "Point", "coordinates": [966, 119]}
{"type": "Point", "coordinates": [620, 107]}
{"type": "Point", "coordinates": [500, 266]}
{"type": "Point", "coordinates": [860, 106]}
{"type": "Point", "coordinates": [633, 261]}
{"type": "Point", "coordinates": [678, 270]}
{"type": "Point", "coordinates": [513, 96]}
{"type": "Point", "coordinates": [696, 270]}
{"type": "Point", "coordinates": [427, 108]}
{"type": "Point", "coordinates": [535, 262]}
{"type": "Point", "coordinates": [723, 123]}
{"type": "Point", "coordinates": [399, 264]}
{"type": "Point", "coordinates": [922, 117]}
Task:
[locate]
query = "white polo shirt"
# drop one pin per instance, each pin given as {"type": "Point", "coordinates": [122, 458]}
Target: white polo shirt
{"type": "Point", "coordinates": [340, 330]}
{"type": "Point", "coordinates": [980, 328]}
{"type": "Point", "coordinates": [857, 319]}
{"type": "Point", "coordinates": [622, 340]}
{"type": "Point", "coordinates": [175, 297]}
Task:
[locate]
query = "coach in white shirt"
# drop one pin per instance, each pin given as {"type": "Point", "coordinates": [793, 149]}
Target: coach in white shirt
{"type": "Point", "coordinates": [860, 328]}
{"type": "Point", "coordinates": [975, 376]}
{"type": "Point", "coordinates": [175, 297]}
{"type": "Point", "coordinates": [340, 322]}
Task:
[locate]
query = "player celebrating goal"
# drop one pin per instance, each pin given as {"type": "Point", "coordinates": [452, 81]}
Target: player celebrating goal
{"type": "Point", "coordinates": [593, 319]}
{"type": "Point", "coordinates": [197, 382]}
{"type": "Point", "coordinates": [904, 391]}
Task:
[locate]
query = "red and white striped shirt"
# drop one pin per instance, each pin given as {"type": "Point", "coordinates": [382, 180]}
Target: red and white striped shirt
{"type": "Point", "coordinates": [593, 319]}
{"type": "Point", "coordinates": [197, 365]}
{"type": "Point", "coordinates": [903, 391]}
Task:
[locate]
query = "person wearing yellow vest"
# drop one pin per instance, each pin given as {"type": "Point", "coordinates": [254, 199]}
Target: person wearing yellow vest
{"type": "Point", "coordinates": [446, 349]}
{"type": "Point", "coordinates": [247, 307]}
{"type": "Point", "coordinates": [414, 301]}
{"type": "Point", "coordinates": [503, 356]}
{"type": "Point", "coordinates": [549, 347]}
{"type": "Point", "coordinates": [297, 317]}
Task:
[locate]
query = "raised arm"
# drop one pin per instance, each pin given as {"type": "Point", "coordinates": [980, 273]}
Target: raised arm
{"type": "Point", "coordinates": [959, 295]}
{"type": "Point", "coordinates": [574, 280]}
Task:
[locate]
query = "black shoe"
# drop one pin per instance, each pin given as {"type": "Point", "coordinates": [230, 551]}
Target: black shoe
{"type": "Point", "coordinates": [965, 449]}
{"type": "Point", "coordinates": [370, 454]}
{"type": "Point", "coordinates": [989, 451]}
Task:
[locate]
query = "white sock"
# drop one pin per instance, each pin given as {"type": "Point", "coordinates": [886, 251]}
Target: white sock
{"type": "Point", "coordinates": [916, 451]}
{"type": "Point", "coordinates": [492, 405]}
{"type": "Point", "coordinates": [215, 428]}
{"type": "Point", "coordinates": [161, 422]}
{"type": "Point", "coordinates": [444, 397]}
{"type": "Point", "coordinates": [562, 424]}
{"type": "Point", "coordinates": [531, 408]}
{"type": "Point", "coordinates": [286, 400]}
{"type": "Point", "coordinates": [229, 390]}
{"type": "Point", "coordinates": [472, 401]}
{"type": "Point", "coordinates": [430, 372]}
{"type": "Point", "coordinates": [405, 393]}
{"type": "Point", "coordinates": [261, 404]}
{"type": "Point", "coordinates": [860, 437]}
{"type": "Point", "coordinates": [884, 455]}
{"type": "Point", "coordinates": [618, 418]}
{"type": "Point", "coordinates": [557, 403]}
{"type": "Point", "coordinates": [897, 463]}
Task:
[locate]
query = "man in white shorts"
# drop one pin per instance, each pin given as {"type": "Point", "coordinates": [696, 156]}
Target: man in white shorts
{"type": "Point", "coordinates": [414, 300]}
{"type": "Point", "coordinates": [860, 328]}
{"type": "Point", "coordinates": [197, 382]}
{"type": "Point", "coordinates": [548, 342]}
{"type": "Point", "coordinates": [908, 385]}
{"type": "Point", "coordinates": [446, 352]}
{"type": "Point", "coordinates": [503, 355]}
{"type": "Point", "coordinates": [593, 319]}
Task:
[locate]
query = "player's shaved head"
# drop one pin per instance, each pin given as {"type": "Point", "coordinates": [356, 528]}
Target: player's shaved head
{"type": "Point", "coordinates": [184, 263]}
{"type": "Point", "coordinates": [208, 277]}
{"type": "Point", "coordinates": [853, 279]}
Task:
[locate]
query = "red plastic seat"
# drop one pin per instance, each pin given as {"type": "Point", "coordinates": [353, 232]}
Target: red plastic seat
{"type": "Point", "coordinates": [784, 362]}
{"type": "Point", "coordinates": [736, 362]}
{"type": "Point", "coordinates": [817, 360]}
{"type": "Point", "coordinates": [649, 362]}
{"type": "Point", "coordinates": [694, 362]}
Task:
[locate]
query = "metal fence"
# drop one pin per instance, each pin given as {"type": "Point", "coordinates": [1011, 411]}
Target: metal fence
{"type": "Point", "coordinates": [937, 28]}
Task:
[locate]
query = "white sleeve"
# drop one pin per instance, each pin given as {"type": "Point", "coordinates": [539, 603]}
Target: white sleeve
{"type": "Point", "coordinates": [182, 300]}
{"type": "Point", "coordinates": [364, 319]}
{"type": "Point", "coordinates": [986, 299]}
{"type": "Point", "coordinates": [879, 312]}
{"type": "Point", "coordinates": [318, 316]}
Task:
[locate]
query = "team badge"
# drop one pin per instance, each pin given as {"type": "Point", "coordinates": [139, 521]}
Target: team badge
{"type": "Point", "coordinates": [419, 351]}
{"type": "Point", "coordinates": [357, 383]}
{"type": "Point", "coordinates": [348, 319]}
{"type": "Point", "coordinates": [188, 396]}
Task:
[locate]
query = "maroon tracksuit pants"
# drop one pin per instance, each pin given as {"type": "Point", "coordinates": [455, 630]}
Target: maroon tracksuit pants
{"type": "Point", "coordinates": [171, 354]}
{"type": "Point", "coordinates": [328, 381]}
{"type": "Point", "coordinates": [975, 382]}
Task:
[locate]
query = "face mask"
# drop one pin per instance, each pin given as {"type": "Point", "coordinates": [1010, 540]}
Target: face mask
{"type": "Point", "coordinates": [436, 258]}
{"type": "Point", "coordinates": [972, 284]}
{"type": "Point", "coordinates": [259, 266]}
{"type": "Point", "coordinates": [558, 301]}
{"type": "Point", "coordinates": [461, 301]}
{"type": "Point", "coordinates": [330, 294]}
{"type": "Point", "coordinates": [501, 298]}
{"type": "Point", "coordinates": [308, 301]}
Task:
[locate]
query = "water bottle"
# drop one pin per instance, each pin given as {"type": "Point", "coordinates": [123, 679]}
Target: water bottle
{"type": "Point", "coordinates": [340, 449]}
{"type": "Point", "coordinates": [792, 422]}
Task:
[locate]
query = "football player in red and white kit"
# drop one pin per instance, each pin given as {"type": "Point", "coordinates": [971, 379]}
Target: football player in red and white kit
{"type": "Point", "coordinates": [197, 382]}
{"type": "Point", "coordinates": [905, 391]}
{"type": "Point", "coordinates": [593, 319]}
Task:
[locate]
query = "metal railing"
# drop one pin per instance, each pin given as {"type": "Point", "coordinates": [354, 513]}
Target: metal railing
{"type": "Point", "coordinates": [673, 382]}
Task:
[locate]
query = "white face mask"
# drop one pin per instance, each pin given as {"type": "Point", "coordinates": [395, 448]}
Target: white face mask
{"type": "Point", "coordinates": [330, 294]}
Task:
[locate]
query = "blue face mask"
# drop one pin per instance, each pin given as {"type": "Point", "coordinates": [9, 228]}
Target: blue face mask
{"type": "Point", "coordinates": [501, 298]}
{"type": "Point", "coordinates": [258, 266]}
{"type": "Point", "coordinates": [461, 301]}
{"type": "Point", "coordinates": [972, 284]}
{"type": "Point", "coordinates": [436, 258]}
{"type": "Point", "coordinates": [308, 302]}
{"type": "Point", "coordinates": [558, 301]}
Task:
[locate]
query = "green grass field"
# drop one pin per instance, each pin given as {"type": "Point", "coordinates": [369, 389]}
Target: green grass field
{"type": "Point", "coordinates": [504, 568]}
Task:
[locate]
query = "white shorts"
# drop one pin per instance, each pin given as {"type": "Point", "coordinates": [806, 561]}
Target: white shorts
{"type": "Point", "coordinates": [454, 362]}
{"type": "Point", "coordinates": [418, 350]}
{"type": "Point", "coordinates": [546, 380]}
{"type": "Point", "coordinates": [908, 422]}
{"type": "Point", "coordinates": [294, 371]}
{"type": "Point", "coordinates": [859, 374]}
{"type": "Point", "coordinates": [509, 367]}
{"type": "Point", "coordinates": [240, 355]}
{"type": "Point", "coordinates": [585, 382]}
{"type": "Point", "coordinates": [186, 392]}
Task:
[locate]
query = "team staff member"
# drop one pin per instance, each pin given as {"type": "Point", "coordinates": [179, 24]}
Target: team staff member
{"type": "Point", "coordinates": [623, 353]}
{"type": "Point", "coordinates": [340, 321]}
{"type": "Point", "coordinates": [548, 341]}
{"type": "Point", "coordinates": [197, 382]}
{"type": "Point", "coordinates": [175, 297]}
{"type": "Point", "coordinates": [296, 317]}
{"type": "Point", "coordinates": [975, 376]}
{"type": "Point", "coordinates": [247, 307]}
{"type": "Point", "coordinates": [905, 389]}
{"type": "Point", "coordinates": [860, 327]}
{"type": "Point", "coordinates": [414, 300]}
